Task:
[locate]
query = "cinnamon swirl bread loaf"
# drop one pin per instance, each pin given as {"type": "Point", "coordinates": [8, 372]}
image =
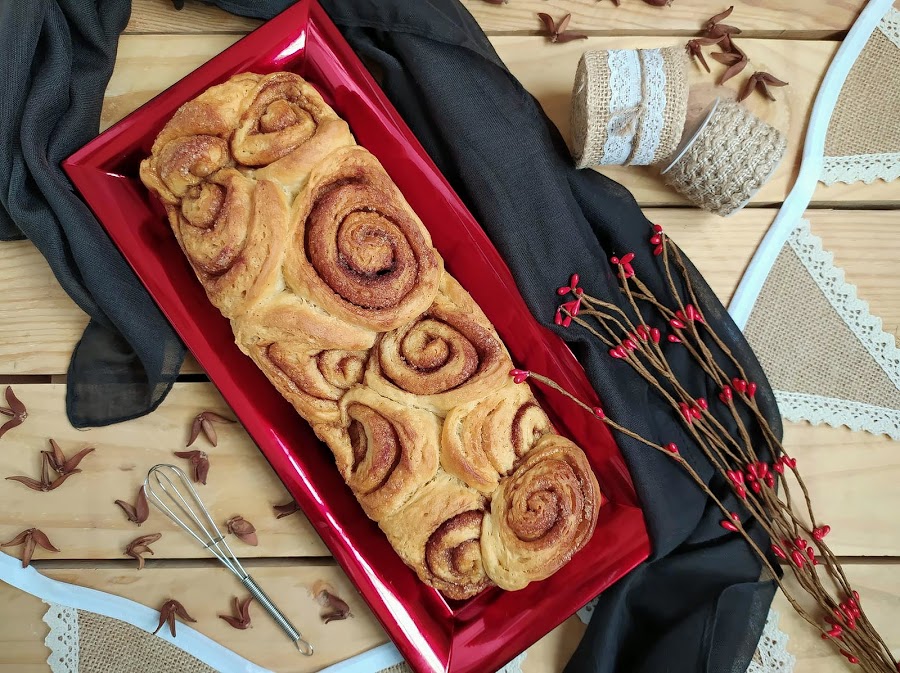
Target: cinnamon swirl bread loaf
{"type": "Point", "coordinates": [334, 289]}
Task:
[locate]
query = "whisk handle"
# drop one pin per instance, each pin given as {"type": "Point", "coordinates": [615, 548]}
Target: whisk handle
{"type": "Point", "coordinates": [304, 646]}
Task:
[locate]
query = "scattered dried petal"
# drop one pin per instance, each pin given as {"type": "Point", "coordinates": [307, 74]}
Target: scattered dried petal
{"type": "Point", "coordinates": [210, 432]}
{"type": "Point", "coordinates": [286, 509]}
{"type": "Point", "coordinates": [139, 511]}
{"type": "Point", "coordinates": [43, 541]}
{"type": "Point", "coordinates": [241, 609]}
{"type": "Point", "coordinates": [62, 465]}
{"type": "Point", "coordinates": [334, 607]}
{"type": "Point", "coordinates": [72, 463]}
{"type": "Point", "coordinates": [243, 530]}
{"type": "Point", "coordinates": [726, 58]}
{"type": "Point", "coordinates": [764, 89]}
{"type": "Point", "coordinates": [659, 3]}
{"type": "Point", "coordinates": [549, 23]}
{"type": "Point", "coordinates": [56, 483]}
{"type": "Point", "coordinates": [695, 52]}
{"type": "Point", "coordinates": [733, 70]}
{"type": "Point", "coordinates": [31, 538]}
{"type": "Point", "coordinates": [15, 404]}
{"type": "Point", "coordinates": [167, 614]}
{"type": "Point", "coordinates": [556, 32]}
{"type": "Point", "coordinates": [747, 89]}
{"type": "Point", "coordinates": [195, 431]}
{"type": "Point", "coordinates": [16, 409]}
{"type": "Point", "coordinates": [140, 546]}
{"type": "Point", "coordinates": [199, 461]}
{"type": "Point", "coordinates": [713, 20]}
{"type": "Point", "coordinates": [770, 79]}
{"type": "Point", "coordinates": [497, 2]}
{"type": "Point", "coordinates": [204, 422]}
{"type": "Point", "coordinates": [30, 483]}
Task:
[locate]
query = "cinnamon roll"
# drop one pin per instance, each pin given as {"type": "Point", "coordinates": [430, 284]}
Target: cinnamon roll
{"type": "Point", "coordinates": [449, 355]}
{"type": "Point", "coordinates": [384, 450]}
{"type": "Point", "coordinates": [357, 249]}
{"type": "Point", "coordinates": [311, 370]}
{"type": "Point", "coordinates": [233, 231]}
{"type": "Point", "coordinates": [483, 440]}
{"type": "Point", "coordinates": [438, 534]}
{"type": "Point", "coordinates": [334, 289]}
{"type": "Point", "coordinates": [541, 514]}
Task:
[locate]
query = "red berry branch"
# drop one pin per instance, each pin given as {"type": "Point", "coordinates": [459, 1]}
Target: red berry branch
{"type": "Point", "coordinates": [755, 471]}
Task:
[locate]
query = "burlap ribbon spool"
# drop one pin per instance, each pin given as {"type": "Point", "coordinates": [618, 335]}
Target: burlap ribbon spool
{"type": "Point", "coordinates": [628, 106]}
{"type": "Point", "coordinates": [732, 156]}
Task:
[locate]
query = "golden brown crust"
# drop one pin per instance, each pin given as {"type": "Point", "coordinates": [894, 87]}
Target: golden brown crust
{"type": "Point", "coordinates": [438, 534]}
{"type": "Point", "coordinates": [384, 450]}
{"type": "Point", "coordinates": [356, 247]}
{"type": "Point", "coordinates": [484, 440]}
{"type": "Point", "coordinates": [449, 355]}
{"type": "Point", "coordinates": [542, 514]}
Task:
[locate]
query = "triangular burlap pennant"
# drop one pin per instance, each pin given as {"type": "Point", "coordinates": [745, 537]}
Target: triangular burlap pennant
{"type": "Point", "coordinates": [863, 140]}
{"type": "Point", "coordinates": [85, 642]}
{"type": "Point", "coordinates": [827, 358]}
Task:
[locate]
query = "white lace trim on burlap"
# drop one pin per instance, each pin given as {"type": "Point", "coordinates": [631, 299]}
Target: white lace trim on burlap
{"type": "Point", "coordinates": [653, 79]}
{"type": "Point", "coordinates": [862, 168]}
{"type": "Point", "coordinates": [771, 652]}
{"type": "Point", "coordinates": [831, 411]}
{"type": "Point", "coordinates": [62, 641]}
{"type": "Point", "coordinates": [890, 26]}
{"type": "Point", "coordinates": [842, 297]}
{"type": "Point", "coordinates": [624, 98]}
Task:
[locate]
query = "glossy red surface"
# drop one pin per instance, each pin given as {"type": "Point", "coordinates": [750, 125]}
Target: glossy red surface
{"type": "Point", "coordinates": [434, 634]}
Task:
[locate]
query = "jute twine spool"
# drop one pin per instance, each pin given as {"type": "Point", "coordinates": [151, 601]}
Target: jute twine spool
{"type": "Point", "coordinates": [628, 106]}
{"type": "Point", "coordinates": [730, 159]}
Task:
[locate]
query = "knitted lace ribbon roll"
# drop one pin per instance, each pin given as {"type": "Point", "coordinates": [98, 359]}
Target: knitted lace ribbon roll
{"type": "Point", "coordinates": [628, 106]}
{"type": "Point", "coordinates": [730, 159]}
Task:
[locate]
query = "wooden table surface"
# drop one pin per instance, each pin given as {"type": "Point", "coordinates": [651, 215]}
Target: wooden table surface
{"type": "Point", "coordinates": [852, 476]}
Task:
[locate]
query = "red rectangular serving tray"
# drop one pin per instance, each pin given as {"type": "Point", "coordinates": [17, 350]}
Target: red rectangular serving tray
{"type": "Point", "coordinates": [474, 636]}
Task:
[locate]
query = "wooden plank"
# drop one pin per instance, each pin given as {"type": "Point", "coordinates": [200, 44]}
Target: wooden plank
{"type": "Point", "coordinates": [766, 17]}
{"type": "Point", "coordinates": [547, 71]}
{"type": "Point", "coordinates": [80, 516]}
{"type": "Point", "coordinates": [879, 589]}
{"type": "Point", "coordinates": [39, 323]}
{"type": "Point", "coordinates": [38, 309]}
{"type": "Point", "coordinates": [205, 592]}
{"type": "Point", "coordinates": [160, 16]}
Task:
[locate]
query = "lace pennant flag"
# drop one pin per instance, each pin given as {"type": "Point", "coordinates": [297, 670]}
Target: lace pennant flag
{"type": "Point", "coordinates": [828, 359]}
{"type": "Point", "coordinates": [863, 139]}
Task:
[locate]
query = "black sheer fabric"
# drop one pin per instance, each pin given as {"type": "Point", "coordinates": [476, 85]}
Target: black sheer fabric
{"type": "Point", "coordinates": [57, 59]}
{"type": "Point", "coordinates": [697, 605]}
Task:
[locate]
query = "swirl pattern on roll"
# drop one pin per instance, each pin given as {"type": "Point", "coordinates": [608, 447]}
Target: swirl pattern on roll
{"type": "Point", "coordinates": [445, 357]}
{"type": "Point", "coordinates": [233, 231]}
{"type": "Point", "coordinates": [542, 514]}
{"type": "Point", "coordinates": [484, 440]}
{"type": "Point", "coordinates": [311, 374]}
{"type": "Point", "coordinates": [438, 534]}
{"type": "Point", "coordinates": [384, 450]}
{"type": "Point", "coordinates": [357, 249]}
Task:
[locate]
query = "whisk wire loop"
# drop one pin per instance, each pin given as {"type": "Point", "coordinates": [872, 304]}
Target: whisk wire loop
{"type": "Point", "coordinates": [163, 491]}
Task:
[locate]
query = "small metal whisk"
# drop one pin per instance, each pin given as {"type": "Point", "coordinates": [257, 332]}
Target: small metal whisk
{"type": "Point", "coordinates": [160, 487]}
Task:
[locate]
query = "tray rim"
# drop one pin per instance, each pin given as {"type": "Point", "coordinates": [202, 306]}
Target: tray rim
{"type": "Point", "coordinates": [86, 167]}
